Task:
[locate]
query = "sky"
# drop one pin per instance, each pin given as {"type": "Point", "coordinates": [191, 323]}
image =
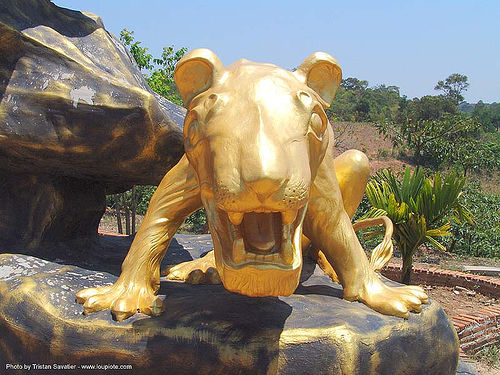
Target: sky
{"type": "Point", "coordinates": [405, 43]}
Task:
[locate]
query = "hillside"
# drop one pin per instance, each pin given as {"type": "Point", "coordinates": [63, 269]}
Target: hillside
{"type": "Point", "coordinates": [365, 137]}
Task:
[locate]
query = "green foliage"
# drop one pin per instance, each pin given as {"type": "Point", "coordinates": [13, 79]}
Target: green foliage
{"type": "Point", "coordinates": [430, 129]}
{"type": "Point", "coordinates": [143, 195]}
{"type": "Point", "coordinates": [419, 208]}
{"type": "Point", "coordinates": [383, 153]}
{"type": "Point", "coordinates": [356, 102]}
{"type": "Point", "coordinates": [354, 84]}
{"type": "Point", "coordinates": [488, 115]}
{"type": "Point", "coordinates": [161, 69]}
{"type": "Point", "coordinates": [431, 141]}
{"type": "Point", "coordinates": [481, 238]}
{"type": "Point", "coordinates": [161, 79]}
{"type": "Point", "coordinates": [197, 222]}
{"type": "Point", "coordinates": [490, 355]}
{"type": "Point", "coordinates": [453, 86]}
{"type": "Point", "coordinates": [140, 55]}
{"type": "Point", "coordinates": [474, 155]}
{"type": "Point", "coordinates": [367, 238]}
{"type": "Point", "coordinates": [426, 108]}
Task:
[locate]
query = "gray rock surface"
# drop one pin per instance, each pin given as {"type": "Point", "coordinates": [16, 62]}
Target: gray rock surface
{"type": "Point", "coordinates": [466, 368]}
{"type": "Point", "coordinates": [77, 121]}
{"type": "Point", "coordinates": [208, 330]}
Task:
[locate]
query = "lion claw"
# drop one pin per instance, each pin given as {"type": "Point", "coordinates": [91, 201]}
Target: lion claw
{"type": "Point", "coordinates": [393, 300]}
{"type": "Point", "coordinates": [122, 301]}
{"type": "Point", "coordinates": [198, 271]}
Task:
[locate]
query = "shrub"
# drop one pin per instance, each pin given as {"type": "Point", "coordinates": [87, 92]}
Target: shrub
{"type": "Point", "coordinates": [419, 208]}
{"type": "Point", "coordinates": [481, 239]}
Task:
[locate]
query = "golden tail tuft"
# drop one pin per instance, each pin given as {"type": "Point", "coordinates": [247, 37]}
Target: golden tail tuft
{"type": "Point", "coordinates": [379, 257]}
{"type": "Point", "coordinates": [383, 252]}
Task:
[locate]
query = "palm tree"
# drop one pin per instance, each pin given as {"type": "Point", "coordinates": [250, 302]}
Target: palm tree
{"type": "Point", "coordinates": [419, 208]}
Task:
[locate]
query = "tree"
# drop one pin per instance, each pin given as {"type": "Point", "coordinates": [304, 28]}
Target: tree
{"type": "Point", "coordinates": [426, 139]}
{"type": "Point", "coordinates": [473, 155]}
{"type": "Point", "coordinates": [418, 207]}
{"type": "Point", "coordinates": [453, 86]}
{"type": "Point", "coordinates": [426, 126]}
{"type": "Point", "coordinates": [161, 76]}
{"type": "Point", "coordinates": [426, 108]}
{"type": "Point", "coordinates": [488, 115]}
{"type": "Point", "coordinates": [481, 238]}
{"type": "Point", "coordinates": [352, 83]}
{"type": "Point", "coordinates": [357, 102]}
{"type": "Point", "coordinates": [161, 79]}
{"type": "Point", "coordinates": [128, 203]}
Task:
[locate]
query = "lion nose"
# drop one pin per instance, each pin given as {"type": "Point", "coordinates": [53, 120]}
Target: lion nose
{"type": "Point", "coordinates": [265, 187]}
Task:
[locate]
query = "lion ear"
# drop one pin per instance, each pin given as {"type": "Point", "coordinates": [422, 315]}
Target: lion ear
{"type": "Point", "coordinates": [322, 73]}
{"type": "Point", "coordinates": [196, 72]}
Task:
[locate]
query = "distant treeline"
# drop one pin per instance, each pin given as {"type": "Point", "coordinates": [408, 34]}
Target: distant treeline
{"type": "Point", "coordinates": [357, 102]}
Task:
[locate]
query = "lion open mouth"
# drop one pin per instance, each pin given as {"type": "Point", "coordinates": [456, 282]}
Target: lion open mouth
{"type": "Point", "coordinates": [265, 238]}
{"type": "Point", "coordinates": [258, 253]}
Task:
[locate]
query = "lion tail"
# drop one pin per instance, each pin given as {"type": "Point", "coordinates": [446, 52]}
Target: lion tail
{"type": "Point", "coordinates": [381, 255]}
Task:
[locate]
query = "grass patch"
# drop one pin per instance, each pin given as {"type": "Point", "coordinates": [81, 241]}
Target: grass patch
{"type": "Point", "coordinates": [489, 355]}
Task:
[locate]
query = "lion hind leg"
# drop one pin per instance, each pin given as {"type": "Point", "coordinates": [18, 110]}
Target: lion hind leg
{"type": "Point", "coordinates": [352, 170]}
{"type": "Point", "coordinates": [323, 263]}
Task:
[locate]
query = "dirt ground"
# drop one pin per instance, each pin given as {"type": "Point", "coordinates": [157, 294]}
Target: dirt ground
{"type": "Point", "coordinates": [456, 300]}
{"type": "Point", "coordinates": [485, 369]}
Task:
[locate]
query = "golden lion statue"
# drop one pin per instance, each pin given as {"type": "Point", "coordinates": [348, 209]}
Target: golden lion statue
{"type": "Point", "coordinates": [259, 158]}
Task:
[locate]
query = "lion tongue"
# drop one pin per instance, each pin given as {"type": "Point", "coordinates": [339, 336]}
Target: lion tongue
{"type": "Point", "coordinates": [260, 230]}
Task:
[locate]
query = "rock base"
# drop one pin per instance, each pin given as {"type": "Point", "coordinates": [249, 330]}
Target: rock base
{"type": "Point", "coordinates": [208, 330]}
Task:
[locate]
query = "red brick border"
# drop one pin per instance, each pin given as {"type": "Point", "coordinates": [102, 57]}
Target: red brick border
{"type": "Point", "coordinates": [489, 286]}
{"type": "Point", "coordinates": [474, 330]}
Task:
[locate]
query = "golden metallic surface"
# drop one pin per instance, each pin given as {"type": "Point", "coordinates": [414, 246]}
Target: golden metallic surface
{"type": "Point", "coordinates": [259, 159]}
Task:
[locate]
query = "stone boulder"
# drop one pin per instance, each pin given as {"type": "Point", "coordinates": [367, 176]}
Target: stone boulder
{"type": "Point", "coordinates": [77, 121]}
{"type": "Point", "coordinates": [207, 330]}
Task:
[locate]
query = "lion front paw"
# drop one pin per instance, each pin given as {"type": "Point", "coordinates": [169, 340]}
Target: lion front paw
{"type": "Point", "coordinates": [124, 300]}
{"type": "Point", "coordinates": [198, 271]}
{"type": "Point", "coordinates": [391, 300]}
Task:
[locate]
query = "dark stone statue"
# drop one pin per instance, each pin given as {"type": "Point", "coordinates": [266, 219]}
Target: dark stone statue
{"type": "Point", "coordinates": [77, 121]}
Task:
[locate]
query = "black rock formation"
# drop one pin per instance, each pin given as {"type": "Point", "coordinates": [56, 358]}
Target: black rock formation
{"type": "Point", "coordinates": [77, 121]}
{"type": "Point", "coordinates": [207, 330]}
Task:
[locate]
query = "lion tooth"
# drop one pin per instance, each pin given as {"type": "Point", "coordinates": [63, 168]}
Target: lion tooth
{"type": "Point", "coordinates": [260, 258]}
{"type": "Point", "coordinates": [251, 256]}
{"type": "Point", "coordinates": [286, 235]}
{"type": "Point", "coordinates": [235, 217]}
{"type": "Point", "coordinates": [238, 250]}
{"type": "Point", "coordinates": [287, 252]}
{"type": "Point", "coordinates": [274, 257]}
{"type": "Point", "coordinates": [288, 217]}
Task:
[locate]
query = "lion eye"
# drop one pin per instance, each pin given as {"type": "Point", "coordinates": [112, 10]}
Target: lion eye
{"type": "Point", "coordinates": [317, 125]}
